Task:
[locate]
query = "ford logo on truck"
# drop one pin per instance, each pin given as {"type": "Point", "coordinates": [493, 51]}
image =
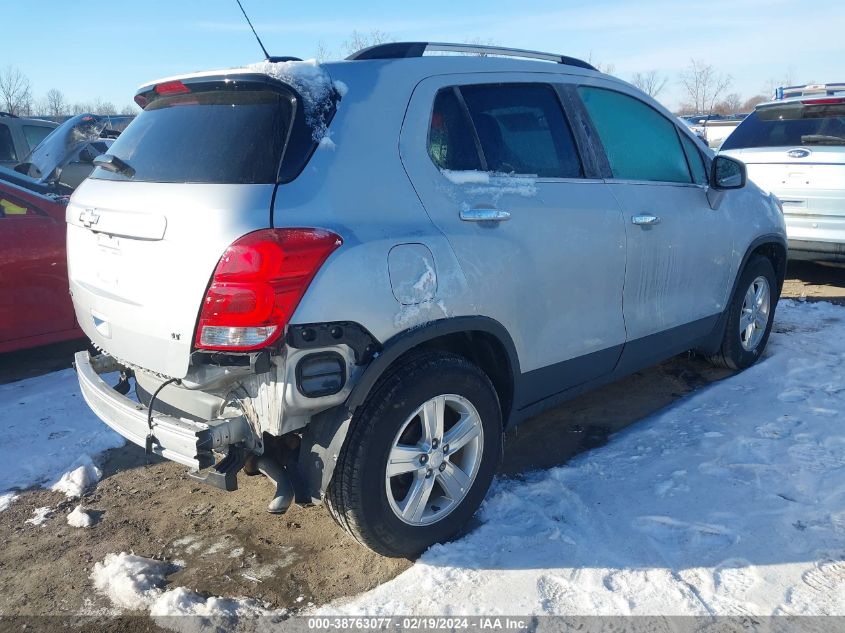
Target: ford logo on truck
{"type": "Point", "coordinates": [798, 153]}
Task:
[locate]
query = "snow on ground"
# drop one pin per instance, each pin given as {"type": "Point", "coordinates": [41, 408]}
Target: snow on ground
{"type": "Point", "coordinates": [49, 430]}
{"type": "Point", "coordinates": [74, 482]}
{"type": "Point", "coordinates": [134, 583]}
{"type": "Point", "coordinates": [80, 518]}
{"type": "Point", "coordinates": [732, 501]}
{"type": "Point", "coordinates": [39, 515]}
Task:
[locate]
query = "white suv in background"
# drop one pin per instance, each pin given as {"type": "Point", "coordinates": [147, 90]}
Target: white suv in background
{"type": "Point", "coordinates": [794, 147]}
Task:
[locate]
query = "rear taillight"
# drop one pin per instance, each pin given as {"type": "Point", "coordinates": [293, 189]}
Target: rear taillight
{"type": "Point", "coordinates": [257, 285]}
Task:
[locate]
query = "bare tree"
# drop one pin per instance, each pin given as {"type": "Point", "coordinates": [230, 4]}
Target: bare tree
{"type": "Point", "coordinates": [731, 104]}
{"type": "Point", "coordinates": [15, 92]}
{"type": "Point", "coordinates": [607, 69]}
{"type": "Point", "coordinates": [104, 107]}
{"type": "Point", "coordinates": [322, 53]}
{"type": "Point", "coordinates": [651, 83]}
{"type": "Point", "coordinates": [129, 110]}
{"type": "Point", "coordinates": [749, 104]}
{"type": "Point", "coordinates": [358, 40]}
{"type": "Point", "coordinates": [54, 103]}
{"type": "Point", "coordinates": [477, 41]}
{"type": "Point", "coordinates": [704, 85]}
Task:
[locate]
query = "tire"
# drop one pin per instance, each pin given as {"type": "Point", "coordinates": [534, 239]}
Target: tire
{"type": "Point", "coordinates": [368, 504]}
{"type": "Point", "coordinates": [738, 349]}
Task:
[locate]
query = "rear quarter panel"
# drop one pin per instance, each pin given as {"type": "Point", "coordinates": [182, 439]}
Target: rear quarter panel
{"type": "Point", "coordinates": [356, 186]}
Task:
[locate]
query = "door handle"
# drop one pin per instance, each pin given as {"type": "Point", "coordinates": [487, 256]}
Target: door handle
{"type": "Point", "coordinates": [645, 220]}
{"type": "Point", "coordinates": [484, 215]}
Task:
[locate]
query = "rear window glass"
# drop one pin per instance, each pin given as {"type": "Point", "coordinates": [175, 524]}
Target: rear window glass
{"type": "Point", "coordinates": [230, 137]}
{"type": "Point", "coordinates": [35, 134]}
{"type": "Point", "coordinates": [789, 126]}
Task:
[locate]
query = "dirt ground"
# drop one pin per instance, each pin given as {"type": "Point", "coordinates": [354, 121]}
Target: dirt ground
{"type": "Point", "coordinates": [229, 544]}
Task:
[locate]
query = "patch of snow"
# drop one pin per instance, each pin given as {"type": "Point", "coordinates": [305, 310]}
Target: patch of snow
{"type": "Point", "coordinates": [6, 500]}
{"type": "Point", "coordinates": [341, 88]}
{"type": "Point", "coordinates": [747, 519]}
{"type": "Point", "coordinates": [426, 285]}
{"type": "Point", "coordinates": [311, 81]}
{"type": "Point", "coordinates": [47, 426]}
{"type": "Point", "coordinates": [492, 183]}
{"type": "Point", "coordinates": [39, 515]}
{"type": "Point", "coordinates": [470, 176]}
{"type": "Point", "coordinates": [80, 518]}
{"type": "Point", "coordinates": [136, 583]}
{"type": "Point", "coordinates": [129, 581]}
{"type": "Point", "coordinates": [75, 482]}
{"type": "Point", "coordinates": [326, 142]}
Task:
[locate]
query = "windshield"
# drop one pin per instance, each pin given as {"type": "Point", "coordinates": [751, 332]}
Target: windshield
{"type": "Point", "coordinates": [789, 125]}
{"type": "Point", "coordinates": [217, 136]}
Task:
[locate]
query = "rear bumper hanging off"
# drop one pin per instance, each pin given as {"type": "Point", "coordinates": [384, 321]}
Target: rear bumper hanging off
{"type": "Point", "coordinates": [181, 440]}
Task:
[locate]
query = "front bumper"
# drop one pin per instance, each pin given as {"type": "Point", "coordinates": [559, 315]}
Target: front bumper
{"type": "Point", "coordinates": [181, 440]}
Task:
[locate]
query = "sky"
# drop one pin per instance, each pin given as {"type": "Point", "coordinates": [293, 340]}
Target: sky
{"type": "Point", "coordinates": [91, 50]}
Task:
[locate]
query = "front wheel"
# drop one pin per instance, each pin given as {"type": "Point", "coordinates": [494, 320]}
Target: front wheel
{"type": "Point", "coordinates": [420, 455]}
{"type": "Point", "coordinates": [750, 316]}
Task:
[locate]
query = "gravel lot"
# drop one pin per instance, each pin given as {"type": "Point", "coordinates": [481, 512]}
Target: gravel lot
{"type": "Point", "coordinates": [231, 547]}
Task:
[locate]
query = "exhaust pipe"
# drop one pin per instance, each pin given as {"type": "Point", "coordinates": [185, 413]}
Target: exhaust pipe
{"type": "Point", "coordinates": [276, 473]}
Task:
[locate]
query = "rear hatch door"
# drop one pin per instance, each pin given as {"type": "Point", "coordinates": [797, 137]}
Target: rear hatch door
{"type": "Point", "coordinates": [200, 170]}
{"type": "Point", "coordinates": [796, 149]}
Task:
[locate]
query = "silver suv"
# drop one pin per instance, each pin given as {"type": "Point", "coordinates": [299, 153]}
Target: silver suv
{"type": "Point", "coordinates": [353, 277]}
{"type": "Point", "coordinates": [794, 146]}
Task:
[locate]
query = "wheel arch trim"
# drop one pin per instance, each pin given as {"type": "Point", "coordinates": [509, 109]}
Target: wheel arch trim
{"type": "Point", "coordinates": [410, 339]}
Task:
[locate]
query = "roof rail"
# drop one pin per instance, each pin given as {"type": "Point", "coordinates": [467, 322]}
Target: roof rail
{"type": "Point", "coordinates": [816, 90]}
{"type": "Point", "coordinates": [9, 114]}
{"type": "Point", "coordinates": [403, 50]}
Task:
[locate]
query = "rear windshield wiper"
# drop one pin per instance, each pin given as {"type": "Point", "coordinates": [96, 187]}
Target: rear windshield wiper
{"type": "Point", "coordinates": [114, 164]}
{"type": "Point", "coordinates": [822, 139]}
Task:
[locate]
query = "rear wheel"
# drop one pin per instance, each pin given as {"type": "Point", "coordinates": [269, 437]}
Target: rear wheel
{"type": "Point", "coordinates": [420, 455]}
{"type": "Point", "coordinates": [750, 316]}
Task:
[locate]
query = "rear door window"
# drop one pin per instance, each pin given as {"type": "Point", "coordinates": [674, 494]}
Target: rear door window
{"type": "Point", "coordinates": [450, 138]}
{"type": "Point", "coordinates": [522, 130]}
{"type": "Point", "coordinates": [7, 147]}
{"type": "Point", "coordinates": [231, 137]}
{"type": "Point", "coordinates": [790, 125]}
{"type": "Point", "coordinates": [640, 143]}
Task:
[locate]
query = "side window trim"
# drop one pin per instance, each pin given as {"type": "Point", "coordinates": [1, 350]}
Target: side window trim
{"type": "Point", "coordinates": [705, 160]}
{"type": "Point", "coordinates": [590, 149]}
{"type": "Point", "coordinates": [468, 119]}
{"type": "Point", "coordinates": [599, 146]}
{"type": "Point", "coordinates": [686, 157]}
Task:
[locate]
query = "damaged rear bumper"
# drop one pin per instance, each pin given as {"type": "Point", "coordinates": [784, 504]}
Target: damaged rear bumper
{"type": "Point", "coordinates": [181, 440]}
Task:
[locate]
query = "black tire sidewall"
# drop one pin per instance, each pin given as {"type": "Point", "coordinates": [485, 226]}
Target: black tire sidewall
{"type": "Point", "coordinates": [454, 376]}
{"type": "Point", "coordinates": [734, 353]}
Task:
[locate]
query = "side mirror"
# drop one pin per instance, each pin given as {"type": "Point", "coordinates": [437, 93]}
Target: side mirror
{"type": "Point", "coordinates": [727, 173]}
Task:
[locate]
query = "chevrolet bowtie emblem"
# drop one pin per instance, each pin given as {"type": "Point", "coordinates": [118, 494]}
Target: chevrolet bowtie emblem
{"type": "Point", "coordinates": [89, 218]}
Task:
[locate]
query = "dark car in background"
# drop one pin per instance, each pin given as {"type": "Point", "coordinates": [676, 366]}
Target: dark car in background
{"type": "Point", "coordinates": [19, 136]}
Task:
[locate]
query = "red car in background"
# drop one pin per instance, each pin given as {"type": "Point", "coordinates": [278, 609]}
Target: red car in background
{"type": "Point", "coordinates": [35, 305]}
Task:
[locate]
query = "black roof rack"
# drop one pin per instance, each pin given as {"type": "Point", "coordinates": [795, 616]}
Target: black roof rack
{"type": "Point", "coordinates": [9, 114]}
{"type": "Point", "coordinates": [403, 50]}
